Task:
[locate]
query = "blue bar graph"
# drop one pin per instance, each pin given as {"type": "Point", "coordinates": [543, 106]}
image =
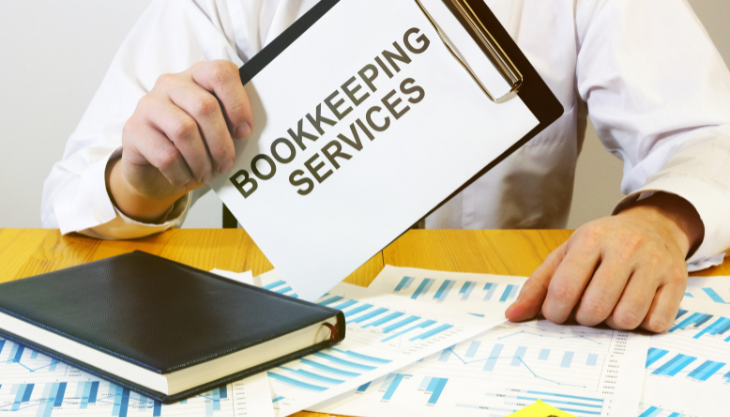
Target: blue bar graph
{"type": "Point", "coordinates": [592, 359]}
{"type": "Point", "coordinates": [400, 324]}
{"type": "Point", "coordinates": [391, 385]}
{"type": "Point", "coordinates": [680, 313]}
{"type": "Point", "coordinates": [727, 377]}
{"type": "Point", "coordinates": [157, 409]}
{"type": "Point", "coordinates": [362, 357]}
{"type": "Point", "coordinates": [370, 315]}
{"type": "Point", "coordinates": [341, 361]}
{"type": "Point", "coordinates": [404, 283]}
{"type": "Point", "coordinates": [519, 356]}
{"type": "Point", "coordinates": [651, 412]}
{"type": "Point", "coordinates": [674, 365]}
{"type": "Point", "coordinates": [508, 293]}
{"type": "Point", "coordinates": [2, 345]}
{"type": "Point", "coordinates": [435, 387]}
{"type": "Point", "coordinates": [544, 354]}
{"type": "Point", "coordinates": [718, 327]}
{"type": "Point", "coordinates": [358, 309]}
{"type": "Point", "coordinates": [706, 370]}
{"type": "Point", "coordinates": [93, 391]}
{"type": "Point", "coordinates": [696, 319]}
{"type": "Point", "coordinates": [386, 319]}
{"type": "Point", "coordinates": [490, 287]}
{"type": "Point", "coordinates": [363, 387]}
{"type": "Point", "coordinates": [423, 287]}
{"type": "Point", "coordinates": [16, 353]}
{"type": "Point", "coordinates": [311, 375]}
{"type": "Point", "coordinates": [284, 290]}
{"type": "Point", "coordinates": [274, 285]}
{"type": "Point", "coordinates": [567, 360]}
{"type": "Point", "coordinates": [33, 354]}
{"type": "Point", "coordinates": [342, 306]}
{"type": "Point", "coordinates": [433, 332]}
{"type": "Point", "coordinates": [445, 355]}
{"type": "Point", "coordinates": [296, 383]}
{"type": "Point", "coordinates": [654, 355]}
{"type": "Point", "coordinates": [444, 290]}
{"type": "Point", "coordinates": [423, 325]}
{"type": "Point", "coordinates": [330, 300]}
{"type": "Point", "coordinates": [329, 369]}
{"type": "Point", "coordinates": [466, 290]}
{"type": "Point", "coordinates": [714, 296]}
{"type": "Point", "coordinates": [60, 392]}
{"type": "Point", "coordinates": [492, 361]}
{"type": "Point", "coordinates": [473, 349]}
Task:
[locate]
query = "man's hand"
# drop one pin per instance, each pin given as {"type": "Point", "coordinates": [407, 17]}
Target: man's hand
{"type": "Point", "coordinates": [627, 270]}
{"type": "Point", "coordinates": [179, 136]}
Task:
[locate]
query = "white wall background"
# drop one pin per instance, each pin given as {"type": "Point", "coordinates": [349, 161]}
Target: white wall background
{"type": "Point", "coordinates": [53, 56]}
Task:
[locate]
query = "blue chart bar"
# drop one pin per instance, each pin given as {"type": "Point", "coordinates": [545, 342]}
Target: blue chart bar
{"type": "Point", "coordinates": [674, 365]}
{"type": "Point", "coordinates": [706, 370]}
{"type": "Point", "coordinates": [423, 288]}
{"type": "Point", "coordinates": [435, 387]}
{"type": "Point", "coordinates": [274, 285]}
{"type": "Point", "coordinates": [358, 309]}
{"type": "Point", "coordinates": [680, 313]}
{"type": "Point", "coordinates": [157, 409]}
{"type": "Point", "coordinates": [592, 359]}
{"type": "Point", "coordinates": [473, 349]}
{"type": "Point", "coordinates": [718, 327]}
{"type": "Point", "coordinates": [434, 332]}
{"type": "Point", "coordinates": [695, 318]}
{"type": "Point", "coordinates": [342, 306]}
{"type": "Point", "coordinates": [404, 283]}
{"type": "Point", "coordinates": [445, 355]}
{"type": "Point", "coordinates": [33, 354]}
{"type": "Point", "coordinates": [363, 387]}
{"type": "Point", "coordinates": [519, 356]}
{"type": "Point", "coordinates": [654, 355]}
{"type": "Point", "coordinates": [386, 319]}
{"type": "Point", "coordinates": [277, 399]}
{"type": "Point", "coordinates": [284, 290]}
{"type": "Point", "coordinates": [16, 353]}
{"type": "Point", "coordinates": [466, 290]}
{"type": "Point", "coordinates": [392, 382]}
{"type": "Point", "coordinates": [329, 369]}
{"type": "Point", "coordinates": [567, 360]}
{"type": "Point", "coordinates": [492, 361]}
{"type": "Point", "coordinates": [362, 357]}
{"type": "Point", "coordinates": [312, 375]}
{"type": "Point", "coordinates": [330, 300]}
{"type": "Point", "coordinates": [296, 383]}
{"type": "Point", "coordinates": [727, 377]}
{"type": "Point", "coordinates": [490, 287]}
{"type": "Point", "coordinates": [508, 293]}
{"type": "Point", "coordinates": [396, 326]}
{"type": "Point", "coordinates": [2, 345]}
{"type": "Point", "coordinates": [651, 412]}
{"type": "Point", "coordinates": [444, 290]}
{"type": "Point", "coordinates": [418, 326]}
{"type": "Point", "coordinates": [544, 354]}
{"type": "Point", "coordinates": [713, 295]}
{"type": "Point", "coordinates": [370, 315]}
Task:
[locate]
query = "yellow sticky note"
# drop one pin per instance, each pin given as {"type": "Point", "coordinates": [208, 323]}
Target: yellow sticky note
{"type": "Point", "coordinates": [540, 409]}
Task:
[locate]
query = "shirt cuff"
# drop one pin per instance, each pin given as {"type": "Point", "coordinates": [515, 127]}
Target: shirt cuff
{"type": "Point", "coordinates": [712, 206]}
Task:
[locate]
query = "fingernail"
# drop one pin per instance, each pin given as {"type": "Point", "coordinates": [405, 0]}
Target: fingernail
{"type": "Point", "coordinates": [242, 131]}
{"type": "Point", "coordinates": [226, 167]}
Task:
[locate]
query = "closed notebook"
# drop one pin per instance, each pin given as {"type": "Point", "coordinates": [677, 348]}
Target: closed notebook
{"type": "Point", "coordinates": [161, 328]}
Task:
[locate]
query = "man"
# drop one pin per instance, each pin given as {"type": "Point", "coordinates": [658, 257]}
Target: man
{"type": "Point", "coordinates": [655, 87]}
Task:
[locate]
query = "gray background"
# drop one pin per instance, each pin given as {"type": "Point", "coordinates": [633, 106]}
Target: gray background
{"type": "Point", "coordinates": [54, 54]}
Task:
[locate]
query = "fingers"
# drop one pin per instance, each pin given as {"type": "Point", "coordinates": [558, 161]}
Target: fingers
{"type": "Point", "coordinates": [203, 110]}
{"type": "Point", "coordinates": [154, 148]}
{"type": "Point", "coordinates": [664, 308]}
{"type": "Point", "coordinates": [182, 130]}
{"type": "Point", "coordinates": [533, 293]}
{"type": "Point", "coordinates": [634, 304]}
{"type": "Point", "coordinates": [570, 278]}
{"type": "Point", "coordinates": [604, 290]}
{"type": "Point", "coordinates": [222, 78]}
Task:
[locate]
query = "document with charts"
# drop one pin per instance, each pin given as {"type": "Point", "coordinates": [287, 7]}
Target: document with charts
{"type": "Point", "coordinates": [583, 371]}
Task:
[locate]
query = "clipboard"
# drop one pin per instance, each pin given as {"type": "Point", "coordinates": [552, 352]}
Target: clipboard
{"type": "Point", "coordinates": [349, 216]}
{"type": "Point", "coordinates": [486, 31]}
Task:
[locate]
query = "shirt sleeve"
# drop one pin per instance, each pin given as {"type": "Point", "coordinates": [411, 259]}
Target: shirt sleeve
{"type": "Point", "coordinates": [658, 93]}
{"type": "Point", "coordinates": [170, 37]}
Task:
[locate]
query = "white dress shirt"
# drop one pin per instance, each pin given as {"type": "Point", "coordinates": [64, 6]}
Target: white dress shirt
{"type": "Point", "coordinates": [646, 72]}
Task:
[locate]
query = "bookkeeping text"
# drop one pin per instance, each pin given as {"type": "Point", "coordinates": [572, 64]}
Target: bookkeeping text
{"type": "Point", "coordinates": [354, 92]}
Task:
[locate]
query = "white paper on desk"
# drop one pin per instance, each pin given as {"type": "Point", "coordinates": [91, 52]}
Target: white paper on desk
{"type": "Point", "coordinates": [395, 179]}
{"type": "Point", "coordinates": [688, 368]}
{"type": "Point", "coordinates": [715, 289]}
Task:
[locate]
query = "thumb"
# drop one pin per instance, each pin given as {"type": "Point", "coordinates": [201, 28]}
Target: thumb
{"type": "Point", "coordinates": [533, 293]}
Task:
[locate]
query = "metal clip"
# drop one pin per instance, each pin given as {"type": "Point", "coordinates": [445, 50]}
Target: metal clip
{"type": "Point", "coordinates": [495, 53]}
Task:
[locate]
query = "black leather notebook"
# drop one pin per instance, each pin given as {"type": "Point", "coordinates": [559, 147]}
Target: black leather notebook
{"type": "Point", "coordinates": [163, 329]}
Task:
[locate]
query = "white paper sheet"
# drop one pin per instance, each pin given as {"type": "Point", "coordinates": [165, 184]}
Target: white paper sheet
{"type": "Point", "coordinates": [584, 371]}
{"type": "Point", "coordinates": [34, 385]}
{"type": "Point", "coordinates": [393, 180]}
{"type": "Point", "coordinates": [688, 368]}
{"type": "Point", "coordinates": [714, 289]}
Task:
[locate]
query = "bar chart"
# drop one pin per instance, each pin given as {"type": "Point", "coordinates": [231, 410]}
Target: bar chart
{"type": "Point", "coordinates": [439, 290]}
{"type": "Point", "coordinates": [714, 289]}
{"type": "Point", "coordinates": [652, 411]}
{"type": "Point", "coordinates": [17, 361]}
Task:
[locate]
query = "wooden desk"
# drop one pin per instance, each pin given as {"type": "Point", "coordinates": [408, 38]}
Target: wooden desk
{"type": "Point", "coordinates": [25, 253]}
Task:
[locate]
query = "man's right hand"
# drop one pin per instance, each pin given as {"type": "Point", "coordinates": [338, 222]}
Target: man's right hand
{"type": "Point", "coordinates": [179, 136]}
